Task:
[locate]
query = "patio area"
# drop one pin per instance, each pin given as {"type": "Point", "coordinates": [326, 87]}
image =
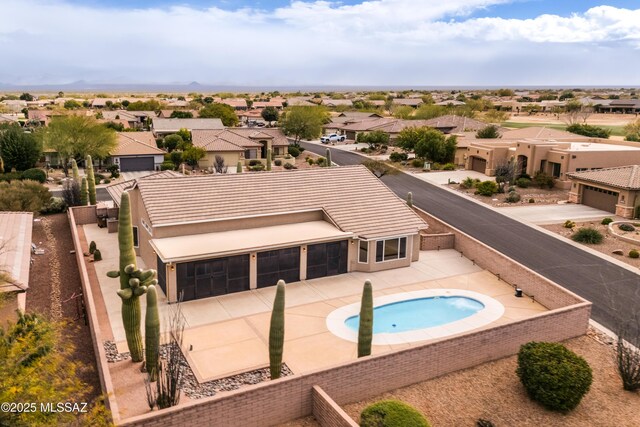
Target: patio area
{"type": "Point", "coordinates": [229, 334]}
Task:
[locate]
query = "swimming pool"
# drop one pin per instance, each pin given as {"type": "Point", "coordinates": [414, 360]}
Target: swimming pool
{"type": "Point", "coordinates": [419, 313]}
{"type": "Point", "coordinates": [417, 316]}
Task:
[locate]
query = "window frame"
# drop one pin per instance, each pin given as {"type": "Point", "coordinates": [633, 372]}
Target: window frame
{"type": "Point", "coordinates": [380, 254]}
{"type": "Point", "coordinates": [360, 251]}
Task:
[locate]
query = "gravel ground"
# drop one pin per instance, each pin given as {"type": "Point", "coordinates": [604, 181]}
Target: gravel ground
{"type": "Point", "coordinates": [608, 245]}
{"type": "Point", "coordinates": [53, 280]}
{"type": "Point", "coordinates": [493, 391]}
{"type": "Point", "coordinates": [541, 196]}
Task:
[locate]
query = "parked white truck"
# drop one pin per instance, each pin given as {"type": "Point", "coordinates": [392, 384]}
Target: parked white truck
{"type": "Point", "coordinates": [334, 137]}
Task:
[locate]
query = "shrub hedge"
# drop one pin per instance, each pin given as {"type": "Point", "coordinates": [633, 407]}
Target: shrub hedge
{"type": "Point", "coordinates": [391, 413]}
{"type": "Point", "coordinates": [553, 375]}
{"type": "Point", "coordinates": [587, 235]}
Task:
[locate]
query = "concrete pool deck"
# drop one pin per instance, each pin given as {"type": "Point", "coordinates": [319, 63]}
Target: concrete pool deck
{"type": "Point", "coordinates": [229, 334]}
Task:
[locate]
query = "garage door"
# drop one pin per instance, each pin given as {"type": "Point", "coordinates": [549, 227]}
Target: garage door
{"type": "Point", "coordinates": [131, 164]}
{"type": "Point", "coordinates": [212, 277]}
{"type": "Point", "coordinates": [279, 264]}
{"type": "Point", "coordinates": [478, 164]}
{"type": "Point", "coordinates": [327, 259]}
{"type": "Point", "coordinates": [599, 198]}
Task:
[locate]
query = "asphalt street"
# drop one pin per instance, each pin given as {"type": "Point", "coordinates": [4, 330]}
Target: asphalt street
{"type": "Point", "coordinates": [613, 290]}
{"type": "Point", "coordinates": [101, 194]}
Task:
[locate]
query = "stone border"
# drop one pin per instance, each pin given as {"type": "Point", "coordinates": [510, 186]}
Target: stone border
{"type": "Point", "coordinates": [611, 231]}
{"type": "Point", "coordinates": [492, 311]}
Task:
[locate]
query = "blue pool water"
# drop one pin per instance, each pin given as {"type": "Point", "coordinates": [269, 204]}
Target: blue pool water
{"type": "Point", "coordinates": [418, 313]}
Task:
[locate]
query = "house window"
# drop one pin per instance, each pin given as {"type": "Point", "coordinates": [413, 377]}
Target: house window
{"type": "Point", "coordinates": [135, 237]}
{"type": "Point", "coordinates": [391, 249]}
{"type": "Point", "coordinates": [363, 255]}
{"type": "Point", "coordinates": [251, 154]}
{"type": "Point", "coordinates": [146, 226]}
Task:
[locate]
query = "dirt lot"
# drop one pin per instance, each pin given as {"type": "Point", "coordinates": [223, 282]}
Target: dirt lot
{"type": "Point", "coordinates": [594, 119]}
{"type": "Point", "coordinates": [540, 196]}
{"type": "Point", "coordinates": [493, 391]}
{"type": "Point", "coordinates": [53, 280]}
{"type": "Point", "coordinates": [608, 245]}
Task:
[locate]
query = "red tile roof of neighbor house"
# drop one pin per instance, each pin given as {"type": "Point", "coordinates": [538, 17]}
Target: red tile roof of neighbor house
{"type": "Point", "coordinates": [627, 177]}
{"type": "Point", "coordinates": [136, 144]}
{"type": "Point", "coordinates": [354, 199]}
{"type": "Point", "coordinates": [174, 125]}
{"type": "Point", "coordinates": [222, 140]}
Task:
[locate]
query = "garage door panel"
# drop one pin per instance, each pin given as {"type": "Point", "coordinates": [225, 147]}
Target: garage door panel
{"type": "Point", "coordinates": [600, 199]}
{"type": "Point", "coordinates": [478, 164]}
{"type": "Point", "coordinates": [327, 259]}
{"type": "Point", "coordinates": [131, 164]}
{"type": "Point", "coordinates": [208, 278]}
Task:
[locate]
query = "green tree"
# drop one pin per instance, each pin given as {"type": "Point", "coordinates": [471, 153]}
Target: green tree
{"type": "Point", "coordinates": [76, 137]}
{"type": "Point", "coordinates": [72, 104]}
{"type": "Point", "coordinates": [426, 112]}
{"type": "Point", "coordinates": [171, 142]}
{"type": "Point", "coordinates": [26, 97]}
{"type": "Point", "coordinates": [223, 112]}
{"type": "Point", "coordinates": [185, 134]}
{"type": "Point", "coordinates": [23, 196]}
{"type": "Point", "coordinates": [192, 155]}
{"type": "Point", "coordinates": [489, 132]}
{"type": "Point", "coordinates": [177, 114]}
{"type": "Point", "coordinates": [428, 143]}
{"type": "Point", "coordinates": [18, 149]}
{"type": "Point", "coordinates": [632, 131]}
{"type": "Point", "coordinates": [304, 122]}
{"type": "Point", "coordinates": [374, 138]}
{"type": "Point", "coordinates": [589, 130]}
{"type": "Point", "coordinates": [402, 112]}
{"type": "Point", "coordinates": [151, 105]}
{"type": "Point", "coordinates": [270, 114]}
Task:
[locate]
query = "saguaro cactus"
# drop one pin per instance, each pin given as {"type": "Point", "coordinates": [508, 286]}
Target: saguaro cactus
{"type": "Point", "coordinates": [410, 199]}
{"type": "Point", "coordinates": [133, 281]}
{"type": "Point", "coordinates": [276, 332]}
{"type": "Point", "coordinates": [74, 170]}
{"type": "Point", "coordinates": [152, 333]}
{"type": "Point", "coordinates": [91, 180]}
{"type": "Point", "coordinates": [239, 167]}
{"type": "Point", "coordinates": [84, 192]}
{"type": "Point", "coordinates": [365, 328]}
{"type": "Point", "coordinates": [269, 159]}
{"type": "Point", "coordinates": [328, 158]}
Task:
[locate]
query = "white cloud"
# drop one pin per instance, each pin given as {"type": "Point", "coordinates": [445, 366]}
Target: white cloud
{"type": "Point", "coordinates": [413, 42]}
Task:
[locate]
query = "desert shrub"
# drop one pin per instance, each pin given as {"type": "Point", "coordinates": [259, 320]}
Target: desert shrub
{"type": "Point", "coordinates": [114, 170]}
{"type": "Point", "coordinates": [10, 176]}
{"type": "Point", "coordinates": [310, 161]}
{"type": "Point", "coordinates": [417, 163]}
{"type": "Point", "coordinates": [55, 205]}
{"type": "Point", "coordinates": [484, 423]}
{"type": "Point", "coordinates": [398, 157]}
{"type": "Point", "coordinates": [436, 166]}
{"type": "Point", "coordinates": [277, 162]}
{"type": "Point", "coordinates": [569, 224]}
{"type": "Point", "coordinates": [553, 375]}
{"type": "Point", "coordinates": [448, 167]}
{"type": "Point", "coordinates": [34, 174]}
{"type": "Point", "coordinates": [294, 151]}
{"type": "Point", "coordinates": [512, 197]}
{"type": "Point", "coordinates": [589, 130]}
{"type": "Point", "coordinates": [532, 201]}
{"type": "Point", "coordinates": [391, 413]}
{"type": "Point", "coordinates": [23, 196]}
{"type": "Point", "coordinates": [523, 182]}
{"type": "Point", "coordinates": [106, 181]}
{"type": "Point", "coordinates": [587, 235]}
{"type": "Point", "coordinates": [289, 166]}
{"type": "Point", "coordinates": [633, 253]}
{"type": "Point", "coordinates": [99, 177]}
{"type": "Point", "coordinates": [92, 247]}
{"type": "Point", "coordinates": [626, 227]}
{"type": "Point", "coordinates": [321, 161]}
{"type": "Point", "coordinates": [257, 167]}
{"type": "Point", "coordinates": [254, 162]}
{"type": "Point", "coordinates": [606, 221]}
{"type": "Point", "coordinates": [543, 180]}
{"type": "Point", "coordinates": [486, 188]}
{"type": "Point", "coordinates": [167, 165]}
{"type": "Point", "coordinates": [468, 182]}
{"type": "Point", "coordinates": [97, 255]}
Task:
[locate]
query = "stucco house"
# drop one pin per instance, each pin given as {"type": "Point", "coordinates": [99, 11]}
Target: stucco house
{"type": "Point", "coordinates": [137, 151]}
{"type": "Point", "coordinates": [230, 233]}
{"type": "Point", "coordinates": [615, 190]}
{"type": "Point", "coordinates": [239, 144]}
{"type": "Point", "coordinates": [162, 127]}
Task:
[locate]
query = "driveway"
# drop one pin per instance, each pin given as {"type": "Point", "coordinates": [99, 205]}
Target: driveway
{"type": "Point", "coordinates": [444, 177]}
{"type": "Point", "coordinates": [553, 214]}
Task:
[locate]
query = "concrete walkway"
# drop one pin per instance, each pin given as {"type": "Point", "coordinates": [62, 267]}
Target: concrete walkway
{"type": "Point", "coordinates": [553, 214]}
{"type": "Point", "coordinates": [444, 177]}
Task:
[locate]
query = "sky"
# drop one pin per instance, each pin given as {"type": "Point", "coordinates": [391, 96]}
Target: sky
{"type": "Point", "coordinates": [315, 42]}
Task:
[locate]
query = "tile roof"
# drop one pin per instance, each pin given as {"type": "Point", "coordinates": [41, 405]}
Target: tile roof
{"type": "Point", "coordinates": [458, 123]}
{"type": "Point", "coordinates": [174, 125]}
{"type": "Point", "coordinates": [538, 132]}
{"type": "Point", "coordinates": [15, 241]}
{"type": "Point", "coordinates": [222, 140]}
{"type": "Point", "coordinates": [135, 144]}
{"type": "Point", "coordinates": [627, 177]}
{"type": "Point", "coordinates": [116, 190]}
{"type": "Point", "coordinates": [352, 196]}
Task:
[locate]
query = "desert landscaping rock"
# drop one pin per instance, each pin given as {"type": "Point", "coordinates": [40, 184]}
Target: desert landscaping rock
{"type": "Point", "coordinates": [618, 252]}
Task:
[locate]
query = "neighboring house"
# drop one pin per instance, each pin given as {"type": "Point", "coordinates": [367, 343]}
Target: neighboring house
{"type": "Point", "coordinates": [137, 151]}
{"type": "Point", "coordinates": [454, 124]}
{"type": "Point", "coordinates": [332, 103]}
{"type": "Point", "coordinates": [135, 119]}
{"type": "Point", "coordinates": [410, 102]}
{"type": "Point", "coordinates": [102, 102]}
{"type": "Point", "coordinates": [615, 190]}
{"type": "Point", "coordinates": [14, 105]}
{"type": "Point", "coordinates": [275, 103]}
{"type": "Point", "coordinates": [15, 261]}
{"type": "Point", "coordinates": [42, 117]}
{"type": "Point", "coordinates": [301, 102]}
{"type": "Point", "coordinates": [166, 114]}
{"type": "Point", "coordinates": [239, 144]}
{"type": "Point", "coordinates": [235, 232]}
{"type": "Point", "coordinates": [555, 157]}
{"type": "Point", "coordinates": [451, 103]}
{"type": "Point", "coordinates": [237, 104]}
{"type": "Point", "coordinates": [625, 106]}
{"type": "Point", "coordinates": [9, 118]}
{"type": "Point", "coordinates": [163, 127]}
{"type": "Point", "coordinates": [116, 190]}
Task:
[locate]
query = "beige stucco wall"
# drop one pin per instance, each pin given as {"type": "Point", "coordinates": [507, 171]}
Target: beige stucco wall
{"type": "Point", "coordinates": [230, 159]}
{"type": "Point", "coordinates": [628, 200]}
